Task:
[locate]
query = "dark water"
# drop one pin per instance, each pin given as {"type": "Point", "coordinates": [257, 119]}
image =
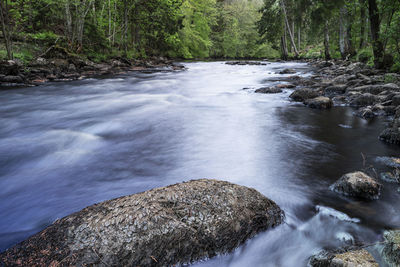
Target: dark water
{"type": "Point", "coordinates": [67, 146]}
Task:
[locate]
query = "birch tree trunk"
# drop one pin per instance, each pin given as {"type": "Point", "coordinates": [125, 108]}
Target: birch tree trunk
{"type": "Point", "coordinates": [288, 28]}
{"type": "Point", "coordinates": [342, 32]}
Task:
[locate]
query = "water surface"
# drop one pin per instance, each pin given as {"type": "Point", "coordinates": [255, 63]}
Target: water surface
{"type": "Point", "coordinates": [64, 146]}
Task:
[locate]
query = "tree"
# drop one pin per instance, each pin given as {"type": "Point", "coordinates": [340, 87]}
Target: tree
{"type": "Point", "coordinates": [5, 25]}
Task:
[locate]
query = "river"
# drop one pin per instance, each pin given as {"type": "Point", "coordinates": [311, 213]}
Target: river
{"type": "Point", "coordinates": [64, 146]}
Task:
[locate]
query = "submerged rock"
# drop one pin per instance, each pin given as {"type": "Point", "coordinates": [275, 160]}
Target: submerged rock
{"type": "Point", "coordinates": [161, 227]}
{"type": "Point", "coordinates": [391, 250]}
{"type": "Point", "coordinates": [269, 90]}
{"type": "Point", "coordinates": [320, 102]}
{"type": "Point", "coordinates": [350, 258]}
{"type": "Point", "coordinates": [303, 94]}
{"type": "Point", "coordinates": [357, 184]}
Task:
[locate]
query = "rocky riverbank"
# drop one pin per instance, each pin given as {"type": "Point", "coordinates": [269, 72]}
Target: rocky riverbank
{"type": "Point", "coordinates": [369, 91]}
{"type": "Point", "coordinates": [166, 226]}
{"type": "Point", "coordinates": [59, 65]}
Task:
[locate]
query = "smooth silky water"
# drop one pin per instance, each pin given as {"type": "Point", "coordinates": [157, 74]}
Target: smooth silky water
{"type": "Point", "coordinates": [64, 146]}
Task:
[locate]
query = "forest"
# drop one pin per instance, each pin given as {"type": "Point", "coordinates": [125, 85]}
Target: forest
{"type": "Point", "coordinates": [363, 30]}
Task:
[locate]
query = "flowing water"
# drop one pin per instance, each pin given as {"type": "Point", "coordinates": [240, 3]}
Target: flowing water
{"type": "Point", "coordinates": [64, 146]}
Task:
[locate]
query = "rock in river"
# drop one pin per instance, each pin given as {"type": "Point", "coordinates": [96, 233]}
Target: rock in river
{"type": "Point", "coordinates": [350, 258]}
{"type": "Point", "coordinates": [166, 226]}
{"type": "Point", "coordinates": [357, 184]}
{"type": "Point", "coordinates": [391, 249]}
{"type": "Point", "coordinates": [320, 102]}
{"type": "Point", "coordinates": [269, 90]}
{"type": "Point", "coordinates": [303, 94]}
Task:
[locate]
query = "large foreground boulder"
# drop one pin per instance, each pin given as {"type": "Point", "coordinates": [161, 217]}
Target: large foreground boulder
{"type": "Point", "coordinates": [350, 258]}
{"type": "Point", "coordinates": [357, 184]}
{"type": "Point", "coordinates": [161, 227]}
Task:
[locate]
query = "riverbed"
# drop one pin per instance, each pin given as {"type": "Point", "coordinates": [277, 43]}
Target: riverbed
{"type": "Point", "coordinates": [64, 146]}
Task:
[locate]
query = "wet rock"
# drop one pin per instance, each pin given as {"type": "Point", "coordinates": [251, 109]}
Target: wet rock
{"type": "Point", "coordinates": [336, 89]}
{"type": "Point", "coordinates": [342, 79]}
{"type": "Point", "coordinates": [320, 102]}
{"type": "Point", "coordinates": [357, 184]}
{"type": "Point", "coordinates": [390, 135]}
{"type": "Point", "coordinates": [166, 226]}
{"type": "Point", "coordinates": [365, 113]}
{"type": "Point", "coordinates": [12, 79]}
{"type": "Point", "coordinates": [10, 67]}
{"type": "Point", "coordinates": [364, 100]}
{"type": "Point", "coordinates": [391, 250]}
{"type": "Point", "coordinates": [391, 177]}
{"type": "Point", "coordinates": [303, 94]}
{"type": "Point", "coordinates": [242, 63]}
{"type": "Point", "coordinates": [286, 85]}
{"type": "Point", "coordinates": [269, 90]}
{"type": "Point", "coordinates": [350, 258]}
{"type": "Point", "coordinates": [288, 71]}
{"type": "Point", "coordinates": [395, 100]}
{"type": "Point", "coordinates": [389, 161]}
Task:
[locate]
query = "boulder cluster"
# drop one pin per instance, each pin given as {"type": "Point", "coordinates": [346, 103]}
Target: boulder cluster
{"type": "Point", "coordinates": [57, 64]}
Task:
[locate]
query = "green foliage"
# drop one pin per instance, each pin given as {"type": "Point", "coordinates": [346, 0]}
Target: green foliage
{"type": "Point", "coordinates": [313, 51]}
{"type": "Point", "coordinates": [365, 55]}
{"type": "Point", "coordinates": [390, 78]}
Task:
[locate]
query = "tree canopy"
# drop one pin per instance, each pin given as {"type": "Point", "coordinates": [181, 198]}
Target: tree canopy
{"type": "Point", "coordinates": [365, 30]}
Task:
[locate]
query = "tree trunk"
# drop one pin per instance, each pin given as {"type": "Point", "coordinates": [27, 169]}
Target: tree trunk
{"type": "Point", "coordinates": [299, 37]}
{"type": "Point", "coordinates": [284, 50]}
{"type": "Point", "coordinates": [377, 44]}
{"type": "Point", "coordinates": [68, 18]}
{"type": "Point", "coordinates": [125, 32]}
{"type": "Point", "coordinates": [6, 29]}
{"type": "Point", "coordinates": [363, 18]}
{"type": "Point", "coordinates": [288, 28]}
{"type": "Point", "coordinates": [326, 42]}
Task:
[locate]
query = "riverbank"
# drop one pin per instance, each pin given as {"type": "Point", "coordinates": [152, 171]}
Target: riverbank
{"type": "Point", "coordinates": [371, 92]}
{"type": "Point", "coordinates": [58, 65]}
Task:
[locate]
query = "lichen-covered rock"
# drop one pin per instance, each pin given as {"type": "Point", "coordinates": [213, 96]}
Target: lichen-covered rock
{"type": "Point", "coordinates": [303, 94]}
{"type": "Point", "coordinates": [320, 102]}
{"type": "Point", "coordinates": [269, 90]}
{"type": "Point", "coordinates": [351, 258]}
{"type": "Point", "coordinates": [162, 227]}
{"type": "Point", "coordinates": [357, 184]}
{"type": "Point", "coordinates": [391, 249]}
